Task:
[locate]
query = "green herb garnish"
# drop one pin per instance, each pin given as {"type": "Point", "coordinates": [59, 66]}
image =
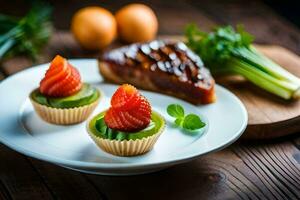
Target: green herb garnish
{"type": "Point", "coordinates": [190, 122]}
{"type": "Point", "coordinates": [26, 35]}
{"type": "Point", "coordinates": [229, 51]}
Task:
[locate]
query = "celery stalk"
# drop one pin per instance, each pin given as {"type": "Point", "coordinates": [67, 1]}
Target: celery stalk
{"type": "Point", "coordinates": [230, 52]}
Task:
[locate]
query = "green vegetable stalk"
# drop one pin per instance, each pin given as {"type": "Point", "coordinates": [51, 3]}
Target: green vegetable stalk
{"type": "Point", "coordinates": [26, 35]}
{"type": "Point", "coordinates": [228, 51]}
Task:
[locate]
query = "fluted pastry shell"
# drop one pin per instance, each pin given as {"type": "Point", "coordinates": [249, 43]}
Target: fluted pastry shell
{"type": "Point", "coordinates": [127, 147]}
{"type": "Point", "coordinates": [64, 116]}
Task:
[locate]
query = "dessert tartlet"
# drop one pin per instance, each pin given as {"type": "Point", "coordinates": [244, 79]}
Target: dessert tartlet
{"type": "Point", "coordinates": [62, 98]}
{"type": "Point", "coordinates": [129, 127]}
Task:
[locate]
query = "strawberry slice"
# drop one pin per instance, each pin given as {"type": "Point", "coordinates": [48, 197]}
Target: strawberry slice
{"type": "Point", "coordinates": [61, 79]}
{"type": "Point", "coordinates": [129, 110]}
{"type": "Point", "coordinates": [124, 121]}
{"type": "Point", "coordinates": [113, 120]}
{"type": "Point", "coordinates": [143, 112]}
{"type": "Point", "coordinates": [126, 97]}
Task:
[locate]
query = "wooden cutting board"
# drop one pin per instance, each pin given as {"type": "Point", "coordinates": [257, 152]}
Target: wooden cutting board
{"type": "Point", "coordinates": [269, 115]}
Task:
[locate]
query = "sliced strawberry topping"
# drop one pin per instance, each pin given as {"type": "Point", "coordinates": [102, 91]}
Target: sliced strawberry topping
{"type": "Point", "coordinates": [61, 79]}
{"type": "Point", "coordinates": [143, 112]}
{"type": "Point", "coordinates": [129, 110]}
{"type": "Point", "coordinates": [126, 97]}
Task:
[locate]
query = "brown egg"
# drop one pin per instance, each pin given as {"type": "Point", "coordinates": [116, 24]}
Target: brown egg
{"type": "Point", "coordinates": [136, 23]}
{"type": "Point", "coordinates": [94, 27]}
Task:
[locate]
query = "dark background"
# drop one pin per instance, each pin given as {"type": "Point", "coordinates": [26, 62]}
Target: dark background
{"type": "Point", "coordinates": [63, 10]}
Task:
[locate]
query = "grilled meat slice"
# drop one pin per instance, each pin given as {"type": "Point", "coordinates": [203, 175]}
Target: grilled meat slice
{"type": "Point", "coordinates": [161, 66]}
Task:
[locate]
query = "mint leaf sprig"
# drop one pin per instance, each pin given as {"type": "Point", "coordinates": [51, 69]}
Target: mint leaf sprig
{"type": "Point", "coordinates": [189, 122]}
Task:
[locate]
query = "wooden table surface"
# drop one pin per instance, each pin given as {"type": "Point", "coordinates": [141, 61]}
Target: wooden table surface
{"type": "Point", "coordinates": [245, 170]}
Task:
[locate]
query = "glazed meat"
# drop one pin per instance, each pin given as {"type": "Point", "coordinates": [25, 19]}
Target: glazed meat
{"type": "Point", "coordinates": [160, 66]}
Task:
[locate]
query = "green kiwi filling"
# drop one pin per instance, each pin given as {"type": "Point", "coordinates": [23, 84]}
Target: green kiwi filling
{"type": "Point", "coordinates": [98, 127]}
{"type": "Point", "coordinates": [85, 96]}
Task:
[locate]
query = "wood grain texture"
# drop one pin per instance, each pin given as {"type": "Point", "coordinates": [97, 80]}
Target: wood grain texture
{"type": "Point", "coordinates": [172, 15]}
{"type": "Point", "coordinates": [181, 182]}
{"type": "Point", "coordinates": [277, 174]}
{"type": "Point", "coordinates": [66, 184]}
{"type": "Point", "coordinates": [240, 172]}
{"type": "Point", "coordinates": [18, 178]}
{"type": "Point", "coordinates": [257, 18]}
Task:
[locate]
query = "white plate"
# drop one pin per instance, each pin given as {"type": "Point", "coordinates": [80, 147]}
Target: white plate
{"type": "Point", "coordinates": [70, 146]}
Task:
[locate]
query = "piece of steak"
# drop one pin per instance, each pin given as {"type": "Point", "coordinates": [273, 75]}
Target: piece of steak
{"type": "Point", "coordinates": [161, 66]}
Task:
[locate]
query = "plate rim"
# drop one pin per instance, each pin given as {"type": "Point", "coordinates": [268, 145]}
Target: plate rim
{"type": "Point", "coordinates": [94, 165]}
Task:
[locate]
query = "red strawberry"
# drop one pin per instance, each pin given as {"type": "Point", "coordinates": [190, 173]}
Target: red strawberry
{"type": "Point", "coordinates": [120, 121]}
{"type": "Point", "coordinates": [130, 111]}
{"type": "Point", "coordinates": [143, 111]}
{"type": "Point", "coordinates": [61, 79]}
{"type": "Point", "coordinates": [126, 97]}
